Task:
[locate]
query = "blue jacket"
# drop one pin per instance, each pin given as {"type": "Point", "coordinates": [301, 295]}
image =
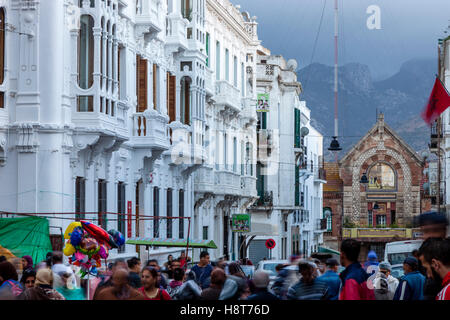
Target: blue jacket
{"type": "Point", "coordinates": [333, 281]}
{"type": "Point", "coordinates": [410, 287]}
{"type": "Point", "coordinates": [202, 275]}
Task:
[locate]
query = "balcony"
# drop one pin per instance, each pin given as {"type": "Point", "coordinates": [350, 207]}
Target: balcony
{"type": "Point", "coordinates": [148, 22]}
{"type": "Point", "coordinates": [320, 176]}
{"type": "Point", "coordinates": [379, 234]}
{"type": "Point", "coordinates": [265, 200]}
{"type": "Point", "coordinates": [176, 34]}
{"type": "Point", "coordinates": [204, 180]}
{"type": "Point", "coordinates": [248, 186]}
{"type": "Point", "coordinates": [249, 111]}
{"type": "Point", "coordinates": [149, 130]}
{"type": "Point", "coordinates": [228, 96]}
{"type": "Point", "coordinates": [180, 136]}
{"type": "Point", "coordinates": [227, 182]}
{"type": "Point", "coordinates": [265, 72]}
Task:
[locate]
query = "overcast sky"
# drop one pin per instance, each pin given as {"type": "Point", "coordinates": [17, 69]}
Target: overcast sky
{"type": "Point", "coordinates": [409, 29]}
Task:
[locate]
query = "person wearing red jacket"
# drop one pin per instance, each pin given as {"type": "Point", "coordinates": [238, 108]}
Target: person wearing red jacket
{"type": "Point", "coordinates": [435, 256]}
{"type": "Point", "coordinates": [354, 278]}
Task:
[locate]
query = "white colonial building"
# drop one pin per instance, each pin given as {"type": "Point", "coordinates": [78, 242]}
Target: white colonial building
{"type": "Point", "coordinates": [146, 109]}
{"type": "Point", "coordinates": [103, 108]}
{"type": "Point", "coordinates": [289, 186]}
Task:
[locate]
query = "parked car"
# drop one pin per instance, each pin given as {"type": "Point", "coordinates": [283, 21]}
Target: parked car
{"type": "Point", "coordinates": [396, 252]}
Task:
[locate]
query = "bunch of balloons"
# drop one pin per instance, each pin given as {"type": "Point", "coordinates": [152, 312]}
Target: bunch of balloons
{"type": "Point", "coordinates": [88, 243]}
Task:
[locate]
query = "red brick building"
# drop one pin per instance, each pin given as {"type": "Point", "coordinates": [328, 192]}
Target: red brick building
{"type": "Point", "coordinates": [381, 210]}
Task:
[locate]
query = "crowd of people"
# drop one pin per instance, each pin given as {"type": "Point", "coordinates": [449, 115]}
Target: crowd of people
{"type": "Point", "coordinates": [426, 276]}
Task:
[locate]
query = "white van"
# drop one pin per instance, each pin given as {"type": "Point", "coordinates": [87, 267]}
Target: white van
{"type": "Point", "coordinates": [396, 252]}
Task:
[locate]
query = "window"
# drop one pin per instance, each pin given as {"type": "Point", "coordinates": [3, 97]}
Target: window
{"type": "Point", "coordinates": [381, 177]}
{"type": "Point", "coordinates": [370, 218]}
{"type": "Point", "coordinates": [381, 220]}
{"type": "Point", "coordinates": [217, 60]}
{"type": "Point", "coordinates": [249, 159]}
{"type": "Point", "coordinates": [186, 9]}
{"type": "Point", "coordinates": [102, 217]}
{"type": "Point", "coordinates": [141, 83]}
{"type": "Point", "coordinates": [227, 65]}
{"type": "Point", "coordinates": [207, 50]}
{"type": "Point", "coordinates": [80, 199]}
{"type": "Point", "coordinates": [171, 97]}
{"type": "Point", "coordinates": [235, 70]}
{"type": "Point", "coordinates": [181, 214]}
{"type": "Point", "coordinates": [216, 150]}
{"type": "Point", "coordinates": [225, 156]}
{"type": "Point", "coordinates": [242, 80]}
{"type": "Point", "coordinates": [169, 213]}
{"type": "Point", "coordinates": [156, 212]}
{"type": "Point", "coordinates": [85, 104]}
{"type": "Point", "coordinates": [155, 86]}
{"type": "Point", "coordinates": [297, 142]}
{"type": "Point", "coordinates": [393, 216]}
{"type": "Point", "coordinates": [185, 100]}
{"type": "Point", "coordinates": [234, 154]}
{"type": "Point", "coordinates": [86, 52]}
{"type": "Point", "coordinates": [205, 233]}
{"type": "Point", "coordinates": [242, 158]}
{"type": "Point", "coordinates": [121, 198]}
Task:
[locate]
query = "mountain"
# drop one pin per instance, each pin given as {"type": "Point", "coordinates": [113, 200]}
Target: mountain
{"type": "Point", "coordinates": [400, 97]}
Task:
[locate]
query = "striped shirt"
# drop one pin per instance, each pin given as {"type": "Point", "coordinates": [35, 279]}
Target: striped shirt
{"type": "Point", "coordinates": [316, 290]}
{"type": "Point", "coordinates": [444, 294]}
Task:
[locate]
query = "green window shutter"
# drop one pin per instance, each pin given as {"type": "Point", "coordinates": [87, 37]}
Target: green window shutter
{"type": "Point", "coordinates": [297, 128]}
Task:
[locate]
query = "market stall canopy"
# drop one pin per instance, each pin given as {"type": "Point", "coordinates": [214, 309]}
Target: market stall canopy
{"type": "Point", "coordinates": [26, 236]}
{"type": "Point", "coordinates": [328, 250]}
{"type": "Point", "coordinates": [160, 242]}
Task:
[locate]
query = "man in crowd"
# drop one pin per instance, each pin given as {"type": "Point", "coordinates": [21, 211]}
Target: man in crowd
{"type": "Point", "coordinates": [385, 285]}
{"type": "Point", "coordinates": [218, 278]}
{"type": "Point", "coordinates": [203, 270]}
{"type": "Point", "coordinates": [435, 256]}
{"type": "Point", "coordinates": [354, 277]}
{"type": "Point", "coordinates": [107, 281]}
{"type": "Point", "coordinates": [331, 278]}
{"type": "Point", "coordinates": [412, 283]}
{"type": "Point", "coordinates": [308, 287]}
{"type": "Point", "coordinates": [261, 281]}
{"type": "Point", "coordinates": [162, 281]}
{"type": "Point", "coordinates": [432, 225]}
{"type": "Point", "coordinates": [120, 289]}
{"type": "Point", "coordinates": [134, 265]}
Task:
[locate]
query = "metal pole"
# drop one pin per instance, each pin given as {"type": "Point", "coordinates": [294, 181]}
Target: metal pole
{"type": "Point", "coordinates": [336, 68]}
{"type": "Point", "coordinates": [187, 242]}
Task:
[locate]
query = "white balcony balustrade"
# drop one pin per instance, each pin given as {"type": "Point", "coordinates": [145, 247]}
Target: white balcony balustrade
{"type": "Point", "coordinates": [149, 130]}
{"type": "Point", "coordinates": [227, 95]}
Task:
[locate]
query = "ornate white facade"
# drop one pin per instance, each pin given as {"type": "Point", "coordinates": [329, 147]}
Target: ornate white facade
{"type": "Point", "coordinates": [107, 105]}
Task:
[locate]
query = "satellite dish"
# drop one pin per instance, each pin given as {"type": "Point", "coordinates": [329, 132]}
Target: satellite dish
{"type": "Point", "coordinates": [304, 131]}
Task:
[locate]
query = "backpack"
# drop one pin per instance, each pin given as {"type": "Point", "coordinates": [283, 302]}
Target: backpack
{"type": "Point", "coordinates": [15, 289]}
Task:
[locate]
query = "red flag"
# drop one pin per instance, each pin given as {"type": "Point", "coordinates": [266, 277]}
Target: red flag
{"type": "Point", "coordinates": [439, 101]}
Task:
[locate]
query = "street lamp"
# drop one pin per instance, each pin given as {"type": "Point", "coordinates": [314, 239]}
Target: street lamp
{"type": "Point", "coordinates": [364, 179]}
{"type": "Point", "coordinates": [376, 206]}
{"type": "Point", "coordinates": [334, 145]}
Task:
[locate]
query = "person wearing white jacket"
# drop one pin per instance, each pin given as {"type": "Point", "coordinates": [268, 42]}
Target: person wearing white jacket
{"type": "Point", "coordinates": [384, 284]}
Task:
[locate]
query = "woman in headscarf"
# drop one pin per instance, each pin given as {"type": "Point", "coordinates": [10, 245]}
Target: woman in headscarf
{"type": "Point", "coordinates": [28, 278]}
{"type": "Point", "coordinates": [43, 288]}
{"type": "Point", "coordinates": [64, 283]}
{"type": "Point", "coordinates": [27, 263]}
{"type": "Point", "coordinates": [10, 287]}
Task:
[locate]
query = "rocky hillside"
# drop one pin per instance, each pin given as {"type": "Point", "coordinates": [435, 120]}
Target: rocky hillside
{"type": "Point", "coordinates": [401, 98]}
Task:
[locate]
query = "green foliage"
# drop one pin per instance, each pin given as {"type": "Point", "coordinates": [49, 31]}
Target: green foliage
{"type": "Point", "coordinates": [348, 223]}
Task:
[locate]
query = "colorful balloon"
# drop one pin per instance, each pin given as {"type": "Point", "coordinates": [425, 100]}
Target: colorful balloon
{"type": "Point", "coordinates": [95, 231]}
{"type": "Point", "coordinates": [76, 236]}
{"type": "Point", "coordinates": [69, 249]}
{"type": "Point", "coordinates": [118, 237]}
{"type": "Point", "coordinates": [70, 228]}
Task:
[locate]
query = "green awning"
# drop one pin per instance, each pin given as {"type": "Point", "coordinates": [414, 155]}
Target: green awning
{"type": "Point", "coordinates": [180, 243]}
{"type": "Point", "coordinates": [328, 250]}
{"type": "Point", "coordinates": [26, 236]}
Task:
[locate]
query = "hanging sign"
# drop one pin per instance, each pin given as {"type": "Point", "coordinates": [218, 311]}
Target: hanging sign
{"type": "Point", "coordinates": [262, 104]}
{"type": "Point", "coordinates": [129, 211]}
{"type": "Point", "coordinates": [240, 223]}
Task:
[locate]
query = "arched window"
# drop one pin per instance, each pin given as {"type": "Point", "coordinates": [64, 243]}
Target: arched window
{"type": "Point", "coordinates": [86, 52]}
{"type": "Point", "coordinates": [327, 214]}
{"type": "Point", "coordinates": [185, 100]}
{"type": "Point", "coordinates": [382, 177]}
